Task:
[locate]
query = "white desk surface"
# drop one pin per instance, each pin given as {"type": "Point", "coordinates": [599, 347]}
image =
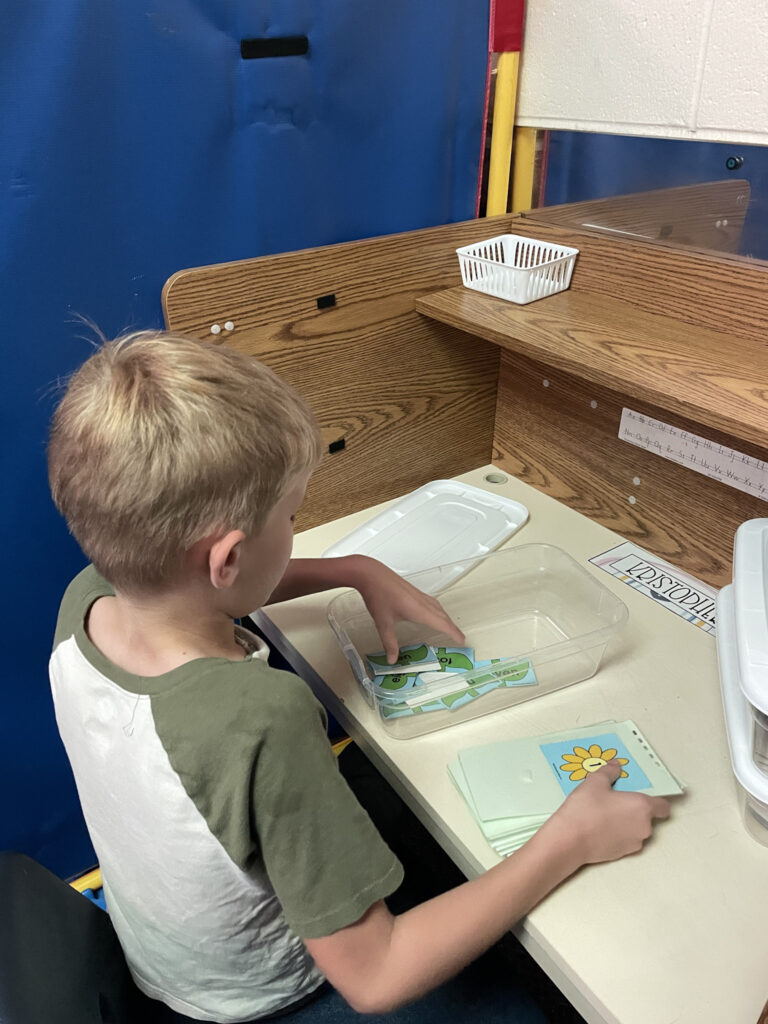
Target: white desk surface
{"type": "Point", "coordinates": [674, 935]}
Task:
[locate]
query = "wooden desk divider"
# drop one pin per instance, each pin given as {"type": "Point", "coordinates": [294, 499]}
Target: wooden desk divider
{"type": "Point", "coordinates": [678, 335]}
{"type": "Point", "coordinates": [408, 375]}
{"type": "Point", "coordinates": [555, 439]}
{"type": "Point", "coordinates": [411, 399]}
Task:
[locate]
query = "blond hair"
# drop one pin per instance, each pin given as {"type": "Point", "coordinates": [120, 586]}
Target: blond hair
{"type": "Point", "coordinates": [161, 440]}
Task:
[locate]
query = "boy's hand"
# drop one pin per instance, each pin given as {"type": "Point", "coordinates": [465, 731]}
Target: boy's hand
{"type": "Point", "coordinates": [606, 824]}
{"type": "Point", "coordinates": [391, 599]}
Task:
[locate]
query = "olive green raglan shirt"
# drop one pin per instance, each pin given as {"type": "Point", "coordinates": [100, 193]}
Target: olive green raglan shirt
{"type": "Point", "coordinates": [224, 831]}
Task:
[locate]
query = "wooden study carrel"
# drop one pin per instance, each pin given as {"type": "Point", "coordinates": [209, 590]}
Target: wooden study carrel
{"type": "Point", "coordinates": [414, 378]}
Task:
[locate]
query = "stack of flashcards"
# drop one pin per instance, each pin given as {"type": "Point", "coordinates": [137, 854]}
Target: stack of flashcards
{"type": "Point", "coordinates": [424, 678]}
{"type": "Point", "coordinates": [512, 787]}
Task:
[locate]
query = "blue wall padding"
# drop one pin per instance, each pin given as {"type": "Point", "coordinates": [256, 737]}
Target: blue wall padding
{"type": "Point", "coordinates": [581, 166]}
{"type": "Point", "coordinates": [135, 141]}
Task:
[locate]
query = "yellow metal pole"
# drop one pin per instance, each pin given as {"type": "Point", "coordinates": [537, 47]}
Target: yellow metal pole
{"type": "Point", "coordinates": [522, 174]}
{"type": "Point", "coordinates": [90, 881]}
{"type": "Point", "coordinates": [505, 98]}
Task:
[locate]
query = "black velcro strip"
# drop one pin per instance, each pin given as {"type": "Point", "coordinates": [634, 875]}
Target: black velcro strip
{"type": "Point", "coordinates": [281, 46]}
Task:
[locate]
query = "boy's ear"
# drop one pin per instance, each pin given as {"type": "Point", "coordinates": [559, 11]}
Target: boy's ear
{"type": "Point", "coordinates": [224, 559]}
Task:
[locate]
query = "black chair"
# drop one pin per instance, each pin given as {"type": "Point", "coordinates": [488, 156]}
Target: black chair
{"type": "Point", "coordinates": [60, 961]}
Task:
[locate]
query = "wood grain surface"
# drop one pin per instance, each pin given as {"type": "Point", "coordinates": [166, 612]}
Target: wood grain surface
{"type": "Point", "coordinates": [554, 439]}
{"type": "Point", "coordinates": [717, 291]}
{"type": "Point", "coordinates": [411, 400]}
{"type": "Point", "coordinates": [676, 334]}
{"type": "Point", "coordinates": [717, 379]}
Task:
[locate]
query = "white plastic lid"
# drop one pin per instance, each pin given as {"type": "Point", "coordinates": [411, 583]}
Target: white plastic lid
{"type": "Point", "coordinates": [738, 719]}
{"type": "Point", "coordinates": [442, 522]}
{"type": "Point", "coordinates": [750, 609]}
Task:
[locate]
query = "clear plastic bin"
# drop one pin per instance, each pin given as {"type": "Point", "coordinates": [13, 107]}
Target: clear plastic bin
{"type": "Point", "coordinates": [527, 604]}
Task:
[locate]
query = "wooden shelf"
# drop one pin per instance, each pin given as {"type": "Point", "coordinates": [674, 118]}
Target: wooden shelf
{"type": "Point", "coordinates": [712, 378]}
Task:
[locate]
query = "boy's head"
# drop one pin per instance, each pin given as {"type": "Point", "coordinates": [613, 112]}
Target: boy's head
{"type": "Point", "coordinates": [162, 440]}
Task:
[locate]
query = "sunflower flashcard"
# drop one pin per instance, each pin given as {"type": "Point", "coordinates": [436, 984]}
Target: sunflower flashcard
{"type": "Point", "coordinates": [572, 762]}
{"type": "Point", "coordinates": [512, 787]}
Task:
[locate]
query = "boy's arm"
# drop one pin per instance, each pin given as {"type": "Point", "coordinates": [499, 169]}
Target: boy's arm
{"type": "Point", "coordinates": [313, 575]}
{"type": "Point", "coordinates": [389, 597]}
{"type": "Point", "coordinates": [381, 961]}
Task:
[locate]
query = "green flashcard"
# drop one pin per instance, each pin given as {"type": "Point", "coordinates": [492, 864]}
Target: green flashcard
{"type": "Point", "coordinates": [396, 682]}
{"type": "Point", "coordinates": [441, 693]}
{"type": "Point", "coordinates": [518, 674]}
{"type": "Point", "coordinates": [455, 659]}
{"type": "Point", "coordinates": [417, 657]}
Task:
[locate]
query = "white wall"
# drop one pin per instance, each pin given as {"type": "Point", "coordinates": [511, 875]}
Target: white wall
{"type": "Point", "coordinates": [686, 69]}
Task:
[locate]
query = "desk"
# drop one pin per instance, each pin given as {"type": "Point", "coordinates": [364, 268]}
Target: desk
{"type": "Point", "coordinates": [672, 936]}
{"type": "Point", "coordinates": [413, 380]}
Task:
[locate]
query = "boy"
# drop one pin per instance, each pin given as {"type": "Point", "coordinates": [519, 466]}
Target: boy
{"type": "Point", "coordinates": [239, 869]}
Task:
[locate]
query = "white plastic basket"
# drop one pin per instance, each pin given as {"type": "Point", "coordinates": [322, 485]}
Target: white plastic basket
{"type": "Point", "coordinates": [516, 268]}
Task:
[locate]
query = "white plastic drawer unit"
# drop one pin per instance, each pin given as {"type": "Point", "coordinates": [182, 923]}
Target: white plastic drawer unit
{"type": "Point", "coordinates": [750, 620]}
{"type": "Point", "coordinates": [752, 781]}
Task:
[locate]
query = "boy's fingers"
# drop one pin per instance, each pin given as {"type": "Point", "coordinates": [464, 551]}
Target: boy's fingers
{"type": "Point", "coordinates": [450, 627]}
{"type": "Point", "coordinates": [659, 807]}
{"type": "Point", "coordinates": [609, 772]}
{"type": "Point", "coordinates": [455, 633]}
{"type": "Point", "coordinates": [388, 638]}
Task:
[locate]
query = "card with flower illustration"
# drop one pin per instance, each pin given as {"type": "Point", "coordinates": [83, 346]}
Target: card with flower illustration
{"type": "Point", "coordinates": [512, 787]}
{"type": "Point", "coordinates": [522, 777]}
{"type": "Point", "coordinates": [573, 761]}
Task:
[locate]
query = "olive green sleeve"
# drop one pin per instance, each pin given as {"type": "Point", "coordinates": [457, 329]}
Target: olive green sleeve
{"type": "Point", "coordinates": [250, 747]}
{"type": "Point", "coordinates": [323, 854]}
